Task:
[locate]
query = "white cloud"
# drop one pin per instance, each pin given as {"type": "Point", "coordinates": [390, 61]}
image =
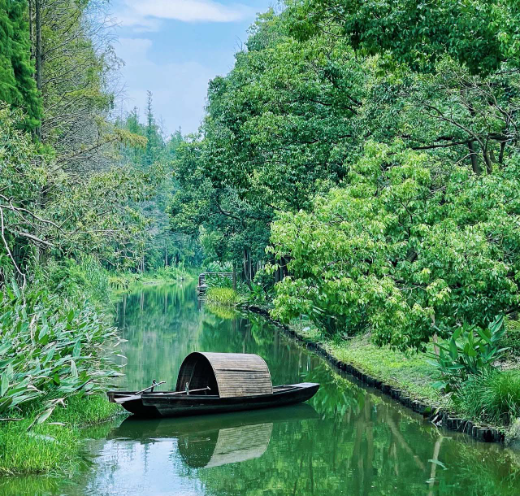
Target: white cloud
{"type": "Point", "coordinates": [146, 15]}
{"type": "Point", "coordinates": [179, 89]}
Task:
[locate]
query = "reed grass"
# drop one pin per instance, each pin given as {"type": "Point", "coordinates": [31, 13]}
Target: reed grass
{"type": "Point", "coordinates": [492, 396]}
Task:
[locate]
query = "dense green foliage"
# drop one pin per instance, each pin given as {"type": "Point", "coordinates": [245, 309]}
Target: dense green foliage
{"type": "Point", "coordinates": [478, 33]}
{"type": "Point", "coordinates": [17, 85]}
{"type": "Point", "coordinates": [159, 246]}
{"type": "Point", "coordinates": [52, 348]}
{"type": "Point", "coordinates": [410, 246]}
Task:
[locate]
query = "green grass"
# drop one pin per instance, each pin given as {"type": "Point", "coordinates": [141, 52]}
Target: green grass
{"type": "Point", "coordinates": [52, 447]}
{"type": "Point", "coordinates": [512, 338]}
{"type": "Point", "coordinates": [222, 296]}
{"type": "Point", "coordinates": [411, 373]}
{"type": "Point", "coordinates": [492, 397]}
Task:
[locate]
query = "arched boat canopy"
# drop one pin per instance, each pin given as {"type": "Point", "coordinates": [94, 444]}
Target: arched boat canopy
{"type": "Point", "coordinates": [229, 375]}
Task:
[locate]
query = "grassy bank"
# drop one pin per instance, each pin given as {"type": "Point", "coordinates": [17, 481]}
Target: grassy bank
{"type": "Point", "coordinates": [51, 447]}
{"type": "Point", "coordinates": [56, 361]}
{"type": "Point", "coordinates": [411, 373]}
{"type": "Point", "coordinates": [492, 398]}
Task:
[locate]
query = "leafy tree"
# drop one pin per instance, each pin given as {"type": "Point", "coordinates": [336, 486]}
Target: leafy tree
{"type": "Point", "coordinates": [279, 129]}
{"type": "Point", "coordinates": [480, 34]}
{"type": "Point", "coordinates": [17, 85]}
{"type": "Point", "coordinates": [411, 246]}
{"type": "Point", "coordinates": [163, 246]}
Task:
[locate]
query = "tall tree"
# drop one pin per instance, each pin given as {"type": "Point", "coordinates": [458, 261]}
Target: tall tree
{"type": "Point", "coordinates": [480, 34]}
{"type": "Point", "coordinates": [17, 86]}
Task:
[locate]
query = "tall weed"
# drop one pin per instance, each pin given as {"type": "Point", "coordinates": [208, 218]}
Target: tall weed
{"type": "Point", "coordinates": [493, 396]}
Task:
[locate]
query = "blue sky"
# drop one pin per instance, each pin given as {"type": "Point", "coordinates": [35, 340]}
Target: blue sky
{"type": "Point", "coordinates": [174, 47]}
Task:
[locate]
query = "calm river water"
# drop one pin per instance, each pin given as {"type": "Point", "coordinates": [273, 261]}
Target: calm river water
{"type": "Point", "coordinates": [348, 440]}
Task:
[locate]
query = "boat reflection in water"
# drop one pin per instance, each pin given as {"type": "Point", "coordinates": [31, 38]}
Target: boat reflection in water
{"type": "Point", "coordinates": [214, 440]}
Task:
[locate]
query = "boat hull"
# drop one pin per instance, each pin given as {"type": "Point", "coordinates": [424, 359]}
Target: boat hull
{"type": "Point", "coordinates": [157, 405]}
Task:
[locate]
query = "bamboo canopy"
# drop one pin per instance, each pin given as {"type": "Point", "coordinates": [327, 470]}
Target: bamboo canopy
{"type": "Point", "coordinates": [229, 375]}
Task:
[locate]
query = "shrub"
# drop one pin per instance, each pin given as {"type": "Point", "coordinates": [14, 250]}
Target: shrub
{"type": "Point", "coordinates": [76, 278]}
{"type": "Point", "coordinates": [469, 351]}
{"type": "Point", "coordinates": [493, 396]}
{"type": "Point", "coordinates": [51, 348]}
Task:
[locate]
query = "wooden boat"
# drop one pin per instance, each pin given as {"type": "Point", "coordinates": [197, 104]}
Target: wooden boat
{"type": "Point", "coordinates": [215, 383]}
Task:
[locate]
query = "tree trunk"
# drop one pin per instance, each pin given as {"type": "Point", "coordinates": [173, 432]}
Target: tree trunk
{"type": "Point", "coordinates": [31, 27]}
{"type": "Point", "coordinates": [474, 159]}
{"type": "Point", "coordinates": [38, 51]}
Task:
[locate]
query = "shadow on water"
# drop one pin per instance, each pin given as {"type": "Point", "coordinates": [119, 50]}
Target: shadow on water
{"type": "Point", "coordinates": [348, 440]}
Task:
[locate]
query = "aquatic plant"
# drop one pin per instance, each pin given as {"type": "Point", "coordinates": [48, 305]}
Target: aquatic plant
{"type": "Point", "coordinates": [51, 348]}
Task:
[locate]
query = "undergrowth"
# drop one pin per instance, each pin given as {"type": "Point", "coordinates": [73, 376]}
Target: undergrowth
{"type": "Point", "coordinates": [222, 296]}
{"type": "Point", "coordinates": [51, 447]}
{"type": "Point", "coordinates": [491, 397]}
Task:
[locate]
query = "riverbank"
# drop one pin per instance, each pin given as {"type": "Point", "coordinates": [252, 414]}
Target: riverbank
{"type": "Point", "coordinates": [60, 330]}
{"type": "Point", "coordinates": [409, 379]}
{"type": "Point", "coordinates": [57, 354]}
{"type": "Point", "coordinates": [129, 281]}
{"type": "Point", "coordinates": [53, 447]}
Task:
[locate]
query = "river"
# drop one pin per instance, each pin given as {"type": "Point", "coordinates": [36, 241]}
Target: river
{"type": "Point", "coordinates": [349, 439]}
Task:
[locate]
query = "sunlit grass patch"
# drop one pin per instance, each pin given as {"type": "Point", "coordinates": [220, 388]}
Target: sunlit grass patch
{"type": "Point", "coordinates": [222, 296]}
{"type": "Point", "coordinates": [51, 447]}
{"type": "Point", "coordinates": [410, 372]}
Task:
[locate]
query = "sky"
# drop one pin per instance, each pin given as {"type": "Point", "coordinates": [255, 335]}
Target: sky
{"type": "Point", "coordinates": [174, 48]}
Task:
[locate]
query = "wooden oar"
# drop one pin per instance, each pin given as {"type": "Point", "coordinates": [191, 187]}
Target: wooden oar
{"type": "Point", "coordinates": [137, 396]}
{"type": "Point", "coordinates": [154, 384]}
{"type": "Point", "coordinates": [207, 388]}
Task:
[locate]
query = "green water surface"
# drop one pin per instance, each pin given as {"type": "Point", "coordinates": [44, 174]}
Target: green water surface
{"type": "Point", "coordinates": [347, 440]}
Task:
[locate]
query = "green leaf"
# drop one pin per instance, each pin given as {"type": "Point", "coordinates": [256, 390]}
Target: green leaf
{"type": "Point", "coordinates": [454, 352]}
{"type": "Point", "coordinates": [73, 369]}
{"type": "Point", "coordinates": [4, 386]}
{"type": "Point", "coordinates": [437, 462]}
{"type": "Point", "coordinates": [45, 415]}
{"type": "Point", "coordinates": [77, 349]}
